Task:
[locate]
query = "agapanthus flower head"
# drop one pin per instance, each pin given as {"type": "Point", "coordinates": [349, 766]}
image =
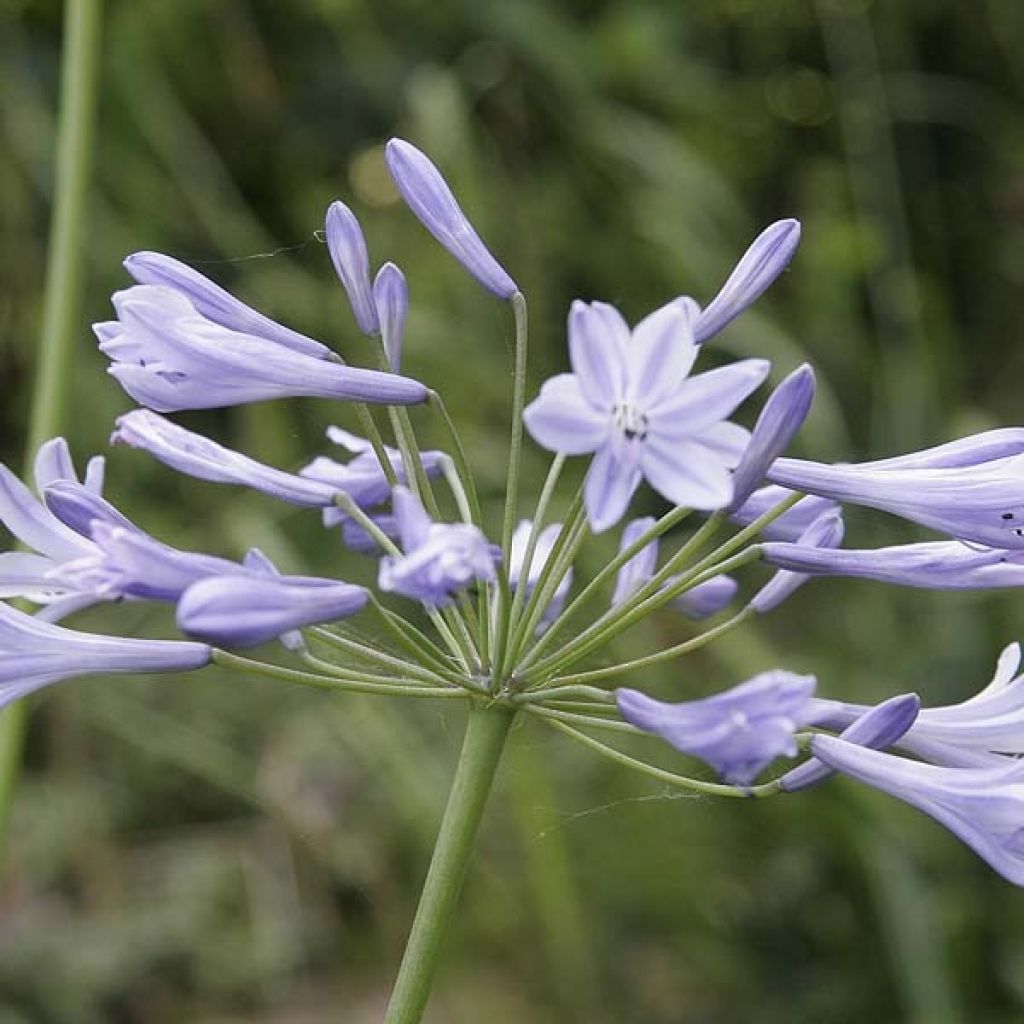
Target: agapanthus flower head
{"type": "Point", "coordinates": [428, 196]}
{"type": "Point", "coordinates": [781, 417]}
{"type": "Point", "coordinates": [984, 807]}
{"type": "Point", "coordinates": [391, 296]}
{"type": "Point", "coordinates": [542, 551]}
{"type": "Point", "coordinates": [630, 400]}
{"type": "Point", "coordinates": [244, 611]}
{"type": "Point", "coordinates": [217, 305]}
{"type": "Point", "coordinates": [981, 502]}
{"type": "Point", "coordinates": [438, 559]}
{"type": "Point", "coordinates": [825, 532]}
{"type": "Point", "coordinates": [34, 654]}
{"type": "Point", "coordinates": [361, 478]}
{"type": "Point", "coordinates": [347, 247]}
{"type": "Point", "coordinates": [169, 357]}
{"type": "Point", "coordinates": [738, 732]}
{"type": "Point", "coordinates": [199, 457]}
{"type": "Point", "coordinates": [768, 256]}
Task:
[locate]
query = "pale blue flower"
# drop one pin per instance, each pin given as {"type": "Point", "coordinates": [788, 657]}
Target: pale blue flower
{"type": "Point", "coordinates": [429, 197]}
{"type": "Point", "coordinates": [542, 550]}
{"type": "Point", "coordinates": [738, 732]}
{"type": "Point", "coordinates": [792, 522]}
{"type": "Point", "coordinates": [631, 401]}
{"type": "Point", "coordinates": [169, 357]}
{"type": "Point", "coordinates": [391, 296]}
{"type": "Point", "coordinates": [640, 568]}
{"type": "Point", "coordinates": [438, 559]}
{"type": "Point", "coordinates": [707, 598]}
{"type": "Point", "coordinates": [347, 247]}
{"type": "Point", "coordinates": [34, 654]}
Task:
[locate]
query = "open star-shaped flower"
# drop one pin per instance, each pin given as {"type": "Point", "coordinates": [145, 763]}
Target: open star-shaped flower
{"type": "Point", "coordinates": [631, 401]}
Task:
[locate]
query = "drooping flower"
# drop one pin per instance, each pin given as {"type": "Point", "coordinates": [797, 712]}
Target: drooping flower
{"type": "Point", "coordinates": [391, 296]}
{"type": "Point", "coordinates": [438, 559]}
{"type": "Point", "coordinates": [34, 654]}
{"type": "Point", "coordinates": [792, 522]}
{"type": "Point", "coordinates": [355, 538]}
{"type": "Point", "coordinates": [768, 256]}
{"type": "Point", "coordinates": [542, 550]}
{"type": "Point", "coordinates": [347, 247]}
{"type": "Point", "coordinates": [738, 732]}
{"type": "Point", "coordinates": [975, 733]}
{"type": "Point", "coordinates": [629, 400]}
{"type": "Point", "coordinates": [973, 450]}
{"type": "Point", "coordinates": [781, 417]}
{"type": "Point", "coordinates": [932, 565]}
{"type": "Point", "coordinates": [825, 532]}
{"type": "Point", "coordinates": [244, 611]}
{"type": "Point", "coordinates": [168, 357]}
{"type": "Point", "coordinates": [981, 502]}
{"type": "Point", "coordinates": [362, 478]}
{"type": "Point", "coordinates": [428, 196]}
{"type": "Point", "coordinates": [984, 807]}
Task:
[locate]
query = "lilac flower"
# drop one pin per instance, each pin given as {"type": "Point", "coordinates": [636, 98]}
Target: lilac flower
{"type": "Point", "coordinates": [640, 568]}
{"type": "Point", "coordinates": [707, 598]}
{"type": "Point", "coordinates": [215, 304]}
{"type": "Point", "coordinates": [768, 256]}
{"type": "Point", "coordinates": [792, 522]}
{"type": "Point", "coordinates": [429, 197]}
{"type": "Point", "coordinates": [438, 558]}
{"type": "Point", "coordinates": [984, 807]}
{"type": "Point", "coordinates": [975, 733]}
{"type": "Point", "coordinates": [544, 546]}
{"type": "Point", "coordinates": [30, 574]}
{"type": "Point", "coordinates": [825, 532]}
{"type": "Point", "coordinates": [204, 459]}
{"type": "Point", "coordinates": [934, 565]}
{"type": "Point", "coordinates": [347, 247]}
{"type": "Point", "coordinates": [129, 563]}
{"type": "Point", "coordinates": [391, 297]}
{"type": "Point", "coordinates": [981, 502]}
{"type": "Point", "coordinates": [629, 400]}
{"type": "Point", "coordinates": [34, 654]}
{"type": "Point", "coordinates": [738, 732]}
{"type": "Point", "coordinates": [169, 357]}
{"type": "Point", "coordinates": [876, 727]}
{"type": "Point", "coordinates": [362, 478]}
{"type": "Point", "coordinates": [243, 611]}
{"type": "Point", "coordinates": [780, 419]}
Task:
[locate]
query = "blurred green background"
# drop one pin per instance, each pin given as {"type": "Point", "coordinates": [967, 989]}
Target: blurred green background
{"type": "Point", "coordinates": [217, 850]}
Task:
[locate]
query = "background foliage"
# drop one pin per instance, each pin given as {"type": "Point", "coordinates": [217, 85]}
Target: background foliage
{"type": "Point", "coordinates": [214, 850]}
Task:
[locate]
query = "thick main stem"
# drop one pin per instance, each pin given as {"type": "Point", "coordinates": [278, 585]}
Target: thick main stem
{"type": "Point", "coordinates": [61, 300]}
{"type": "Point", "coordinates": [486, 732]}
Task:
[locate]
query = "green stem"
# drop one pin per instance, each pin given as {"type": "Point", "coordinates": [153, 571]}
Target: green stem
{"type": "Point", "coordinates": [515, 447]}
{"type": "Point", "coordinates": [369, 428]}
{"type": "Point", "coordinates": [62, 297]}
{"type": "Point", "coordinates": [486, 732]}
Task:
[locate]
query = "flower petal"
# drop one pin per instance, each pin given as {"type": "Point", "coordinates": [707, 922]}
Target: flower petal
{"type": "Point", "coordinates": [611, 483]}
{"type": "Point", "coordinates": [562, 420]}
{"type": "Point", "coordinates": [686, 473]}
{"type": "Point", "coordinates": [660, 354]}
{"type": "Point", "coordinates": [597, 351]}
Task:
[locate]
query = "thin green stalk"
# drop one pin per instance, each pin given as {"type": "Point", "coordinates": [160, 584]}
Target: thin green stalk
{"type": "Point", "coordinates": [411, 639]}
{"type": "Point", "coordinates": [365, 652]}
{"type": "Point", "coordinates": [592, 693]}
{"type": "Point", "coordinates": [686, 647]}
{"type": "Point", "coordinates": [515, 447]}
{"type": "Point", "coordinates": [670, 778]}
{"type": "Point", "coordinates": [519, 597]}
{"type": "Point", "coordinates": [355, 684]}
{"type": "Point", "coordinates": [331, 668]}
{"type": "Point", "coordinates": [65, 268]}
{"type": "Point", "coordinates": [486, 733]}
{"type": "Point", "coordinates": [373, 435]}
{"type": "Point", "coordinates": [459, 455]}
{"type": "Point", "coordinates": [575, 718]}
